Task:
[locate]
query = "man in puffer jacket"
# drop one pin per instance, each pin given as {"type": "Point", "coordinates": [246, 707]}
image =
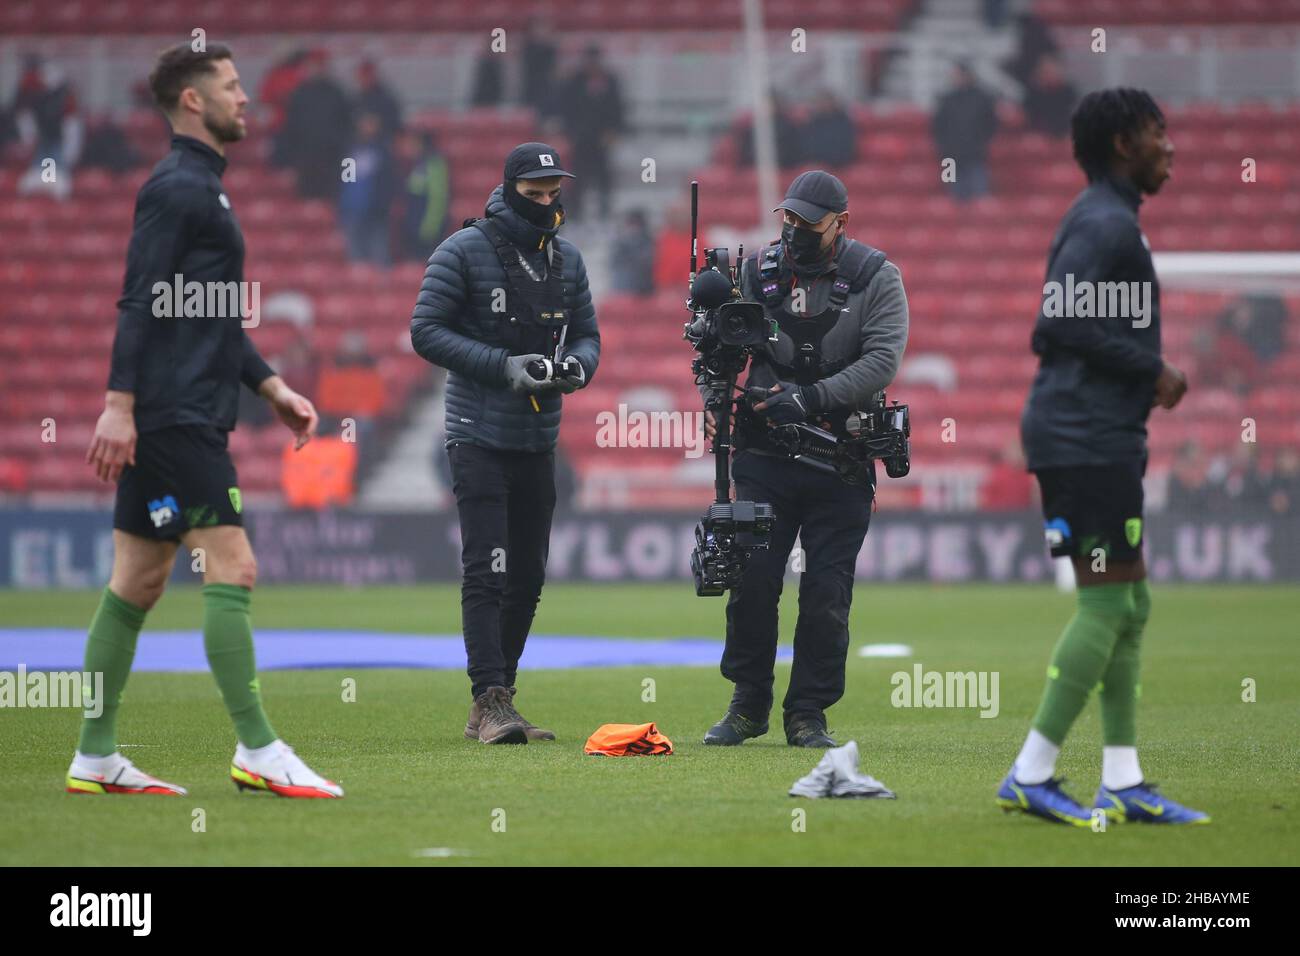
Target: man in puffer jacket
{"type": "Point", "coordinates": [505, 308]}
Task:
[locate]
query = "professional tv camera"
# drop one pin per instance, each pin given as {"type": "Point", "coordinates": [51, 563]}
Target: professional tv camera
{"type": "Point", "coordinates": [724, 331]}
{"type": "Point", "coordinates": [880, 432]}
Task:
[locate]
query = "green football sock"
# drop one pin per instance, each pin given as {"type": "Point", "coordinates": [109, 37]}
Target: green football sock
{"type": "Point", "coordinates": [110, 649]}
{"type": "Point", "coordinates": [1119, 685]}
{"type": "Point", "coordinates": [228, 640]}
{"type": "Point", "coordinates": [1081, 656]}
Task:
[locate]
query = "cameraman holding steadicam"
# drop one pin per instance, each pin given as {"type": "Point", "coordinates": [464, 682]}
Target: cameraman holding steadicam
{"type": "Point", "coordinates": [842, 315]}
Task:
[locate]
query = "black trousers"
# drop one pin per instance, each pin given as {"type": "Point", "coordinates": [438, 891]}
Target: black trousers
{"type": "Point", "coordinates": [830, 518]}
{"type": "Point", "coordinates": [505, 500]}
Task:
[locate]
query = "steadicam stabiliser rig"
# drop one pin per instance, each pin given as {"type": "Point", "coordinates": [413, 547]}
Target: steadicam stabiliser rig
{"type": "Point", "coordinates": [724, 330]}
{"type": "Point", "coordinates": [880, 432]}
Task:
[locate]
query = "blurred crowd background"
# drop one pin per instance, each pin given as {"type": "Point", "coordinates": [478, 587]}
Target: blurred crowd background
{"type": "Point", "coordinates": [425, 104]}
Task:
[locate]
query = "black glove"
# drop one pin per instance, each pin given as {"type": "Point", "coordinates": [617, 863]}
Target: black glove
{"type": "Point", "coordinates": [793, 403]}
{"type": "Point", "coordinates": [569, 375]}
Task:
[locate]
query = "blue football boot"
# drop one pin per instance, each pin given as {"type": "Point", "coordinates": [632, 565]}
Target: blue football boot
{"type": "Point", "coordinates": [1046, 800]}
{"type": "Point", "coordinates": [1142, 804]}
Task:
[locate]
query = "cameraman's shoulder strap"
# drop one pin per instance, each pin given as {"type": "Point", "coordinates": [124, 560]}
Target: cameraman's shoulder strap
{"type": "Point", "coordinates": [857, 267]}
{"type": "Point", "coordinates": [771, 282]}
{"type": "Point", "coordinates": [506, 253]}
{"type": "Point", "coordinates": [513, 264]}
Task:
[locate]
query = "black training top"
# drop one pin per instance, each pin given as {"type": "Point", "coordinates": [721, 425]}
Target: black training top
{"type": "Point", "coordinates": [1096, 377]}
{"type": "Point", "coordinates": [184, 369]}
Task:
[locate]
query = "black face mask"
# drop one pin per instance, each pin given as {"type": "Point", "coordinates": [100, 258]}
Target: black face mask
{"type": "Point", "coordinates": [804, 246]}
{"type": "Point", "coordinates": [540, 215]}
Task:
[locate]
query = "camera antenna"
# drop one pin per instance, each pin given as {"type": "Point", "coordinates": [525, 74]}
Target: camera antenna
{"type": "Point", "coordinates": [695, 220]}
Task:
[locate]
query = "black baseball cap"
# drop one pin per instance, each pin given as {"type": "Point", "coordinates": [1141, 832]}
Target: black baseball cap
{"type": "Point", "coordinates": [815, 193]}
{"type": "Point", "coordinates": [534, 161]}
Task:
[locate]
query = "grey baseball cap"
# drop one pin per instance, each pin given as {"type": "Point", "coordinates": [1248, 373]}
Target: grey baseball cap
{"type": "Point", "coordinates": [815, 193]}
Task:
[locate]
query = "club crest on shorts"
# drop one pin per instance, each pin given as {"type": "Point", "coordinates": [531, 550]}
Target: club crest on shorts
{"type": "Point", "coordinates": [1133, 531]}
{"type": "Point", "coordinates": [236, 500]}
{"type": "Point", "coordinates": [1057, 532]}
{"type": "Point", "coordinates": [163, 511]}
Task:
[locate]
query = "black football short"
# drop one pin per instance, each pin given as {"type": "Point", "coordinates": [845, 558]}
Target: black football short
{"type": "Point", "coordinates": [1094, 506]}
{"type": "Point", "coordinates": [183, 478]}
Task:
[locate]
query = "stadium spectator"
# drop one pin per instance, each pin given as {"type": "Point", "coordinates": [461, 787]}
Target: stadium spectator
{"type": "Point", "coordinates": [317, 130]}
{"type": "Point", "coordinates": [1265, 333]}
{"type": "Point", "coordinates": [8, 128]}
{"type": "Point", "coordinates": [1225, 359]}
{"type": "Point", "coordinates": [1007, 486]}
{"type": "Point", "coordinates": [786, 131]}
{"type": "Point", "coordinates": [673, 248]}
{"type": "Point", "coordinates": [995, 13]}
{"type": "Point", "coordinates": [1239, 477]}
{"type": "Point", "coordinates": [296, 363]}
{"type": "Point", "coordinates": [322, 474]}
{"type": "Point", "coordinates": [375, 96]}
{"type": "Point", "coordinates": [1035, 41]}
{"type": "Point", "coordinates": [538, 74]}
{"type": "Point", "coordinates": [425, 199]}
{"type": "Point", "coordinates": [277, 87]}
{"type": "Point", "coordinates": [1283, 486]}
{"type": "Point", "coordinates": [15, 474]}
{"type": "Point", "coordinates": [1190, 490]}
{"type": "Point", "coordinates": [592, 115]}
{"type": "Point", "coordinates": [108, 148]}
{"type": "Point", "coordinates": [830, 137]}
{"type": "Point", "coordinates": [1049, 99]}
{"type": "Point", "coordinates": [350, 386]}
{"type": "Point", "coordinates": [299, 363]}
{"type": "Point", "coordinates": [366, 201]}
{"type": "Point", "coordinates": [1246, 336]}
{"type": "Point", "coordinates": [489, 80]}
{"type": "Point", "coordinates": [632, 256]}
{"type": "Point", "coordinates": [45, 114]}
{"type": "Point", "coordinates": [963, 126]}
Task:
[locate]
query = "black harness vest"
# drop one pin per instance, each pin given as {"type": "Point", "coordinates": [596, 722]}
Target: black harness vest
{"type": "Point", "coordinates": [535, 313]}
{"type": "Point", "coordinates": [857, 267]}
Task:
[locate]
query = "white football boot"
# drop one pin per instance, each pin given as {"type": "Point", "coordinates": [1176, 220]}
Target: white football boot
{"type": "Point", "coordinates": [114, 774]}
{"type": "Point", "coordinates": [278, 769]}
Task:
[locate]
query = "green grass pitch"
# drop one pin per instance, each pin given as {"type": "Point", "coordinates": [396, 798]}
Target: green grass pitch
{"type": "Point", "coordinates": [415, 784]}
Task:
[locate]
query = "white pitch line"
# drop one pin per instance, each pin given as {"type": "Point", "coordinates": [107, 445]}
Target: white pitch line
{"type": "Point", "coordinates": [885, 650]}
{"type": "Point", "coordinates": [440, 852]}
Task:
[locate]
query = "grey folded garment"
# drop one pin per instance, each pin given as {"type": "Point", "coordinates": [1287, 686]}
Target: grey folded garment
{"type": "Point", "coordinates": [837, 775]}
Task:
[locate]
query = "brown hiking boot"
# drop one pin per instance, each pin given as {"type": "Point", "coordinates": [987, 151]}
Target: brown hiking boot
{"type": "Point", "coordinates": [476, 716]}
{"type": "Point", "coordinates": [472, 722]}
{"type": "Point", "coordinates": [498, 722]}
{"type": "Point", "coordinates": [534, 733]}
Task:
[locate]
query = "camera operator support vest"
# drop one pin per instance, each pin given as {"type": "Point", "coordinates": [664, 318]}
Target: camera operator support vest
{"type": "Point", "coordinates": [769, 279]}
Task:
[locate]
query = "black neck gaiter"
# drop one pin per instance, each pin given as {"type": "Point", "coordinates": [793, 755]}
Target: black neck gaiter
{"type": "Point", "coordinates": [539, 214]}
